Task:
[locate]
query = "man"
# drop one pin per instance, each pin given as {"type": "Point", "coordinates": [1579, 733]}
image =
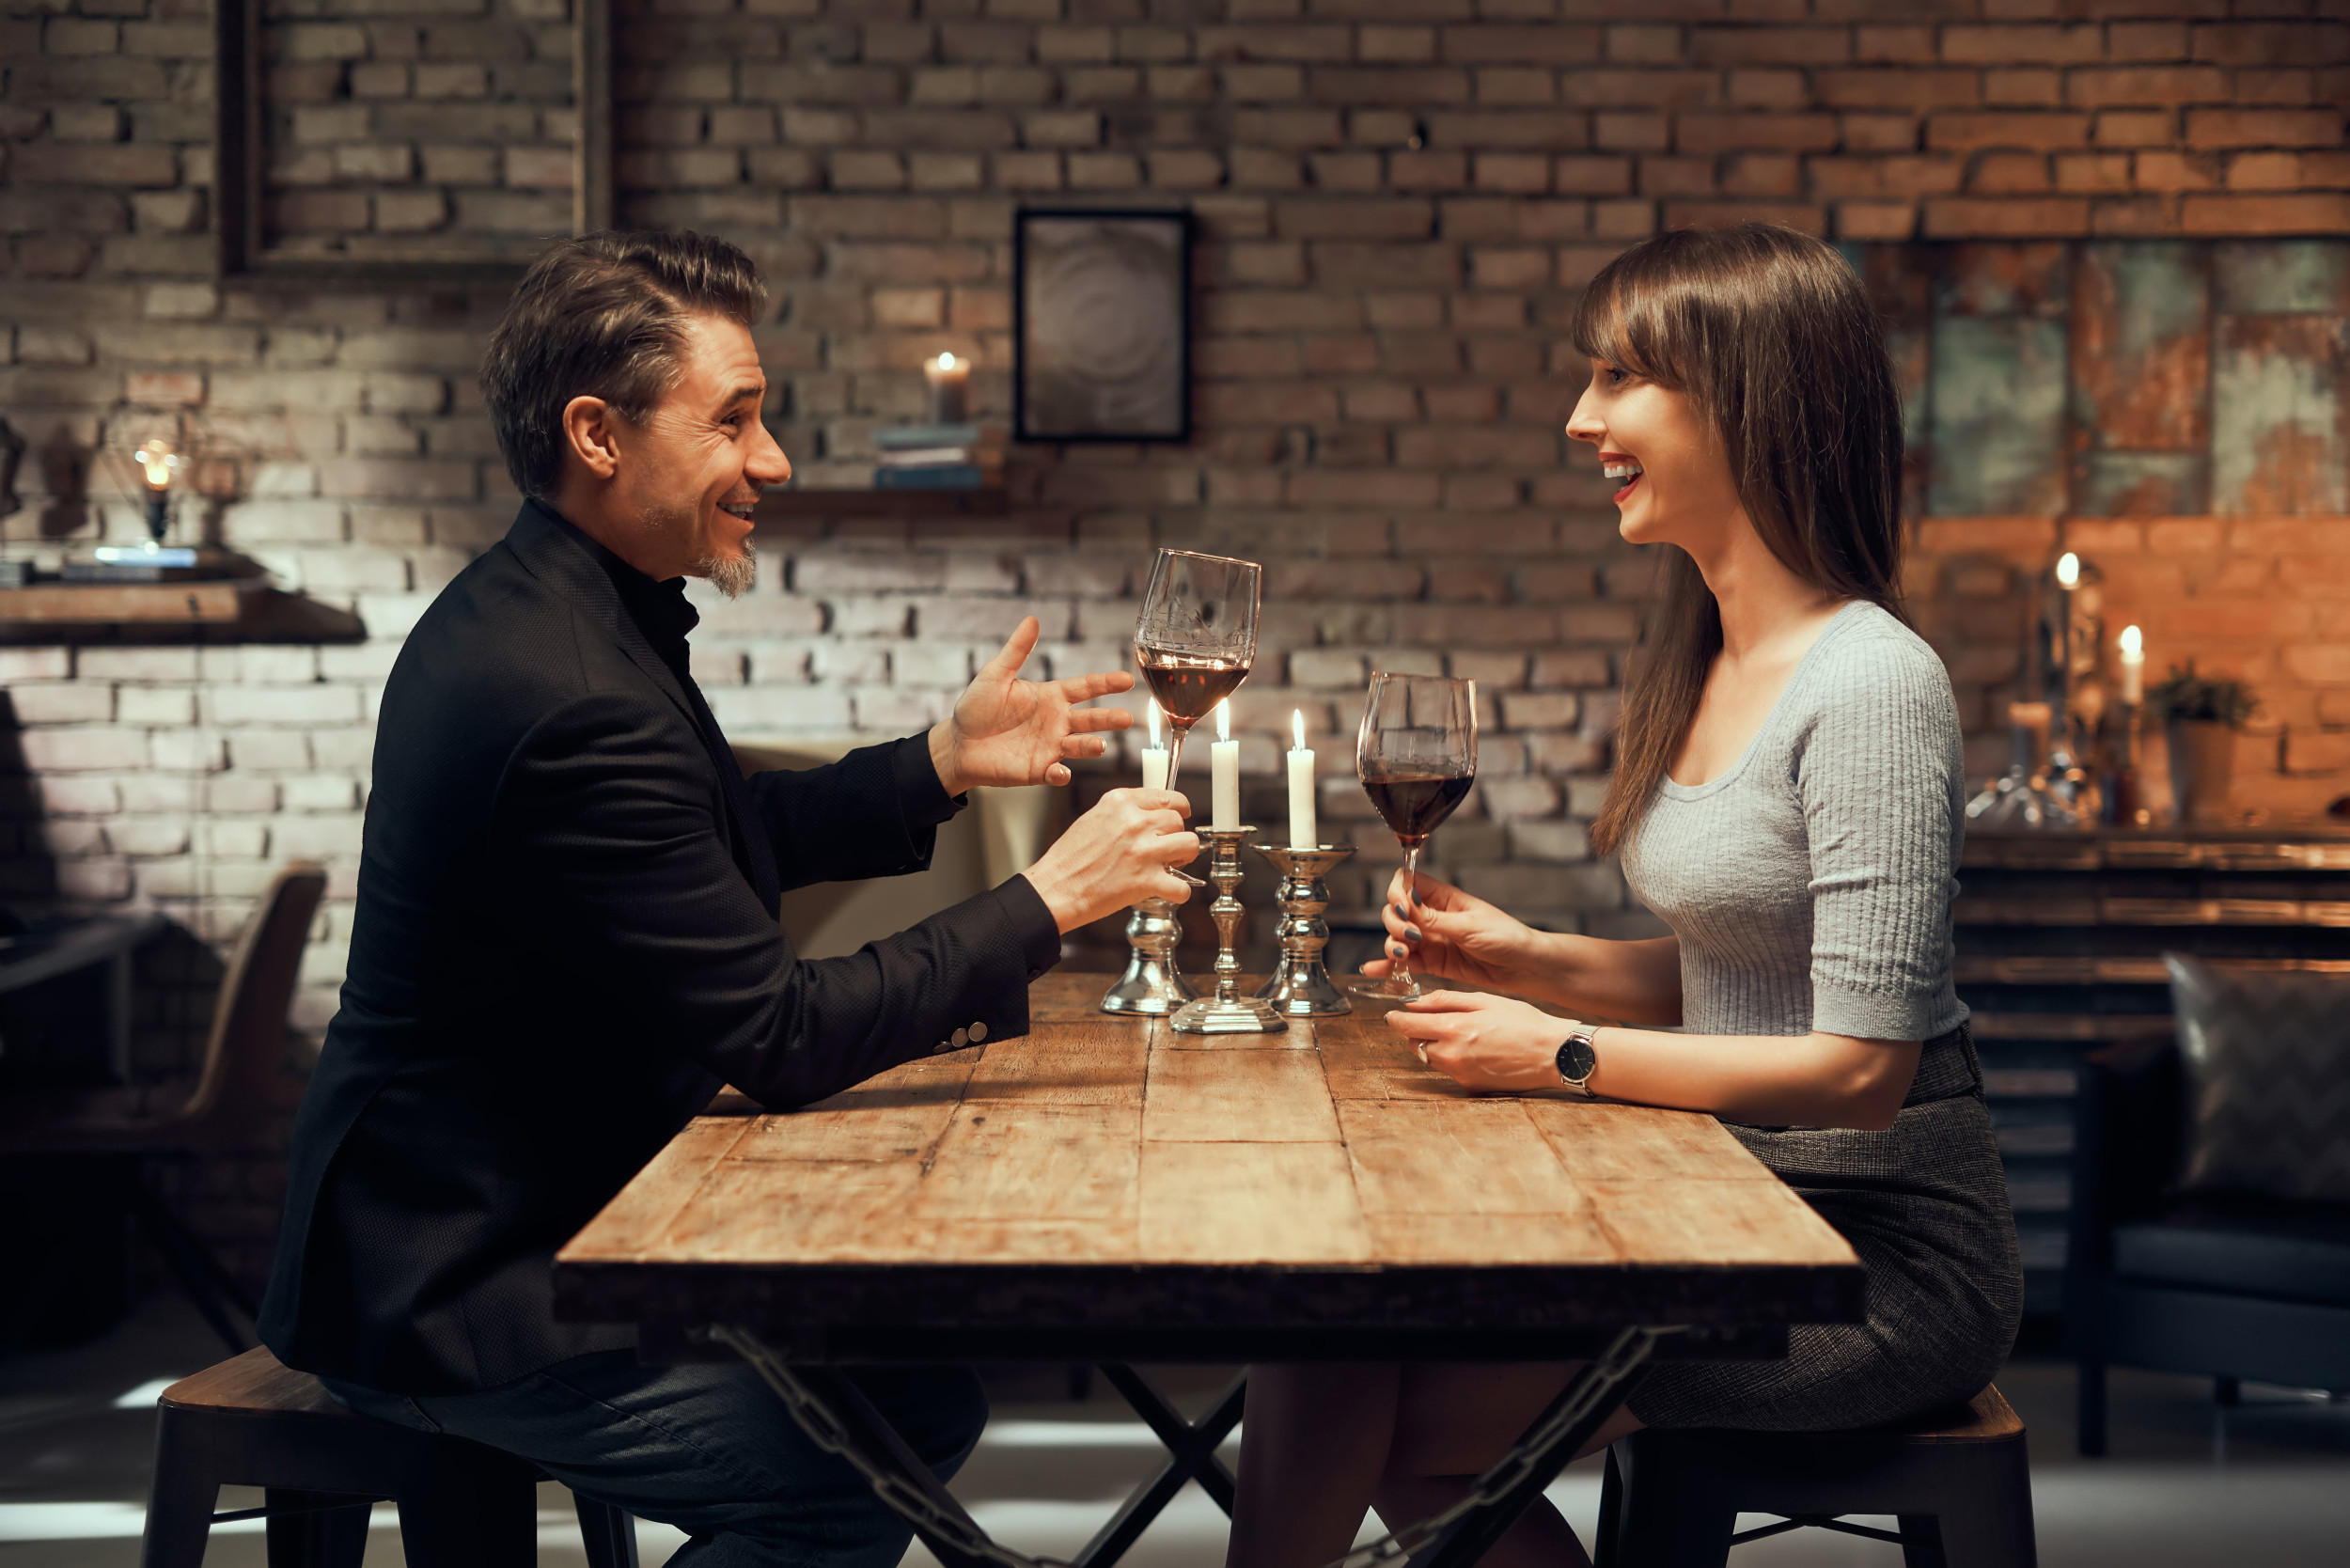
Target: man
{"type": "Point", "coordinates": [566, 936]}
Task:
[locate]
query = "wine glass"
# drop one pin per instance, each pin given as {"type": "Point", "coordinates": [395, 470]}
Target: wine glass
{"type": "Point", "coordinates": [1197, 637]}
{"type": "Point", "coordinates": [1416, 757]}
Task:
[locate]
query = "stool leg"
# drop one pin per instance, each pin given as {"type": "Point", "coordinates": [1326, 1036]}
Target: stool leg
{"type": "Point", "coordinates": [320, 1537]}
{"type": "Point", "coordinates": [1672, 1516]}
{"type": "Point", "coordinates": [609, 1532]}
{"type": "Point", "coordinates": [1987, 1521]}
{"type": "Point", "coordinates": [471, 1511]}
{"type": "Point", "coordinates": [179, 1499]}
{"type": "Point", "coordinates": [2090, 1428]}
{"type": "Point", "coordinates": [1922, 1541]}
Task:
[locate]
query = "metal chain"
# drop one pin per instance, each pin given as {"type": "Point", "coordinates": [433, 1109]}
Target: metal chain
{"type": "Point", "coordinates": [901, 1497]}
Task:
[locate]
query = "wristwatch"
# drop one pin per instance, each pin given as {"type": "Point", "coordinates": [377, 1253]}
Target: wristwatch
{"type": "Point", "coordinates": [1578, 1059]}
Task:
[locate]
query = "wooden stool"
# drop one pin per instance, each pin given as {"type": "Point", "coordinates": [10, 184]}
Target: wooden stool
{"type": "Point", "coordinates": [252, 1422]}
{"type": "Point", "coordinates": [1958, 1481]}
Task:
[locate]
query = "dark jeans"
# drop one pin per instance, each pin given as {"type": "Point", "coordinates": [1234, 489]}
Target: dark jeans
{"type": "Point", "coordinates": [708, 1449]}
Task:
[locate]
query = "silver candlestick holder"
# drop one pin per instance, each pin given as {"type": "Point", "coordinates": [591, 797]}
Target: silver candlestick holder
{"type": "Point", "coordinates": [1228, 1012]}
{"type": "Point", "coordinates": [1301, 987]}
{"type": "Point", "coordinates": [1152, 987]}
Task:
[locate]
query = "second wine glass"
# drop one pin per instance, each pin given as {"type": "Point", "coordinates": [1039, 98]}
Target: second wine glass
{"type": "Point", "coordinates": [1416, 757]}
{"type": "Point", "coordinates": [1197, 637]}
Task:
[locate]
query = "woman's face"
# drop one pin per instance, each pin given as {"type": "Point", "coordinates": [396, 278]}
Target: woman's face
{"type": "Point", "coordinates": [1673, 475]}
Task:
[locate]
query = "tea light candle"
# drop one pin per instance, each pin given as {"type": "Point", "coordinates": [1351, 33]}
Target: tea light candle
{"type": "Point", "coordinates": [1223, 770]}
{"type": "Point", "coordinates": [2133, 665]}
{"type": "Point", "coordinates": [1155, 755]}
{"type": "Point", "coordinates": [1300, 761]}
{"type": "Point", "coordinates": [949, 387]}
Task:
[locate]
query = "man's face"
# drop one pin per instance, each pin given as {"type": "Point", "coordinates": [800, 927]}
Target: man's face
{"type": "Point", "coordinates": [694, 470]}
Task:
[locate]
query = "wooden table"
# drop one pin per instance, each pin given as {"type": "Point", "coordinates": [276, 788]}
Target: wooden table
{"type": "Point", "coordinates": [1104, 1189]}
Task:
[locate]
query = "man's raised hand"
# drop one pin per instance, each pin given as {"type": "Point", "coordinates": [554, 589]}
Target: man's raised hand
{"type": "Point", "coordinates": [1006, 732]}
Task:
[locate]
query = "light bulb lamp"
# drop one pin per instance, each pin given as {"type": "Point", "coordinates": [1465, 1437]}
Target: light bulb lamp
{"type": "Point", "coordinates": [158, 466]}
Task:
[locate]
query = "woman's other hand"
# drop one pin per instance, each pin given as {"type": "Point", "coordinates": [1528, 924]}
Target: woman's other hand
{"type": "Point", "coordinates": [1483, 1041]}
{"type": "Point", "coordinates": [1455, 935]}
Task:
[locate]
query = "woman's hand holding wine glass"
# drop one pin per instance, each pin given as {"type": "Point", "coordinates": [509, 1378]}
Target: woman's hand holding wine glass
{"type": "Point", "coordinates": [1446, 932]}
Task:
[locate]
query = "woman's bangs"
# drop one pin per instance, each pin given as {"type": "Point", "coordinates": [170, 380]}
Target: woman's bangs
{"type": "Point", "coordinates": [1620, 320]}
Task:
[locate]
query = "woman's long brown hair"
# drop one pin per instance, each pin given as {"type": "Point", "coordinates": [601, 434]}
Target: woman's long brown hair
{"type": "Point", "coordinates": [1770, 335]}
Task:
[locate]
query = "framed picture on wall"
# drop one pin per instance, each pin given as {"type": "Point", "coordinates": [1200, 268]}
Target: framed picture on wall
{"type": "Point", "coordinates": [1100, 325]}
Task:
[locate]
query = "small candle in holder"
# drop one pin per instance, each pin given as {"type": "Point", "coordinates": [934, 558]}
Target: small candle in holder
{"type": "Point", "coordinates": [949, 389]}
{"type": "Point", "coordinates": [2133, 642]}
{"type": "Point", "coordinates": [1224, 770]}
{"type": "Point", "coordinates": [1300, 761]}
{"type": "Point", "coordinates": [1154, 755]}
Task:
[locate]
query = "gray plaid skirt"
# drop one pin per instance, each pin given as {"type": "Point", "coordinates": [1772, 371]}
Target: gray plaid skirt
{"type": "Point", "coordinates": [1924, 1204]}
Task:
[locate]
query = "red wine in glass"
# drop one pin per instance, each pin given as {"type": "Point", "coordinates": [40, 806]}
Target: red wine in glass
{"type": "Point", "coordinates": [1416, 757]}
{"type": "Point", "coordinates": [1195, 637]}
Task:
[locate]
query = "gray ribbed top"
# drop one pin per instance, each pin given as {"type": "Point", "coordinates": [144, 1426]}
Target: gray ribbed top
{"type": "Point", "coordinates": [1810, 883]}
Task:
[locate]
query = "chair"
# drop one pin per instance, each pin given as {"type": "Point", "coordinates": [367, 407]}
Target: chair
{"type": "Point", "coordinates": [114, 1134]}
{"type": "Point", "coordinates": [251, 1421]}
{"type": "Point", "coordinates": [2224, 1286]}
{"type": "Point", "coordinates": [1958, 1481]}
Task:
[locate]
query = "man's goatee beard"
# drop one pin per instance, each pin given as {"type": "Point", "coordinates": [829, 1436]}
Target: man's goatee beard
{"type": "Point", "coordinates": [730, 577]}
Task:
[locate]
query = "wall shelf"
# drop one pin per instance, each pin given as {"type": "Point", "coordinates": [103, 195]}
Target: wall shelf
{"type": "Point", "coordinates": [233, 610]}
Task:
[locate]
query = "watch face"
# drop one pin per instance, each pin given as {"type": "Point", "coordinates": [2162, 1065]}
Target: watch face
{"type": "Point", "coordinates": [1576, 1059]}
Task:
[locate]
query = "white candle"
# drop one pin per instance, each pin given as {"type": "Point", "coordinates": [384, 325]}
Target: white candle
{"type": "Point", "coordinates": [1155, 755]}
{"type": "Point", "coordinates": [2133, 665]}
{"type": "Point", "coordinates": [1223, 770]}
{"type": "Point", "coordinates": [1301, 835]}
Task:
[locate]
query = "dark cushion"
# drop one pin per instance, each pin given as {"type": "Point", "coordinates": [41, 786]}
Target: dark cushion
{"type": "Point", "coordinates": [2267, 1059]}
{"type": "Point", "coordinates": [2242, 1245]}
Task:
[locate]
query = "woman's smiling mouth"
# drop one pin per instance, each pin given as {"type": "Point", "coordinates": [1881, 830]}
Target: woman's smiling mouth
{"type": "Point", "coordinates": [1616, 466]}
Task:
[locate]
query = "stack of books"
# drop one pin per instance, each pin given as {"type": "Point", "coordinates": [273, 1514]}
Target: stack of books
{"type": "Point", "coordinates": [937, 457]}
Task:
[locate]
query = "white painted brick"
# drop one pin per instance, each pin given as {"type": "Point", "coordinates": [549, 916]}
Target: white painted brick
{"type": "Point", "coordinates": [931, 663]}
{"type": "Point", "coordinates": [150, 792]}
{"type": "Point", "coordinates": [287, 522]}
{"type": "Point", "coordinates": [187, 751]}
{"type": "Point", "coordinates": [144, 838]}
{"type": "Point", "coordinates": [317, 838]}
{"type": "Point", "coordinates": [84, 750]}
{"type": "Point", "coordinates": [258, 664]}
{"type": "Point", "coordinates": [898, 710]}
{"type": "Point", "coordinates": [1321, 667]}
{"type": "Point", "coordinates": [137, 663]}
{"type": "Point", "coordinates": [1549, 840]}
{"type": "Point", "coordinates": [60, 701]}
{"type": "Point", "coordinates": [716, 666]}
{"type": "Point", "coordinates": [311, 704]}
{"type": "Point", "coordinates": [155, 705]}
{"type": "Point", "coordinates": [79, 798]}
{"type": "Point", "coordinates": [76, 837]}
{"type": "Point", "coordinates": [35, 663]}
{"type": "Point", "coordinates": [322, 793]}
{"type": "Point", "coordinates": [751, 710]}
{"type": "Point", "coordinates": [363, 661]}
{"type": "Point", "coordinates": [239, 838]}
{"type": "Point", "coordinates": [240, 792]}
{"type": "Point", "coordinates": [268, 750]}
{"type": "Point", "coordinates": [348, 750]}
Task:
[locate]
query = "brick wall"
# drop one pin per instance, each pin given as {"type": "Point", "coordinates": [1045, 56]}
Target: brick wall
{"type": "Point", "coordinates": [1398, 200]}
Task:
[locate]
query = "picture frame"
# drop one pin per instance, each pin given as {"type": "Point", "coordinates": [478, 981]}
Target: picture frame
{"type": "Point", "coordinates": [1102, 324]}
{"type": "Point", "coordinates": [244, 189]}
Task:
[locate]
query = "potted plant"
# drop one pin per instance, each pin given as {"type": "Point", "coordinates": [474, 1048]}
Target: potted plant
{"type": "Point", "coordinates": [2199, 718]}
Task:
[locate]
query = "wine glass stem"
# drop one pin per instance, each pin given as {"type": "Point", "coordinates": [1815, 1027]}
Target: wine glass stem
{"type": "Point", "coordinates": [1402, 973]}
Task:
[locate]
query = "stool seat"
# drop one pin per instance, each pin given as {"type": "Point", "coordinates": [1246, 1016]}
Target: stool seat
{"type": "Point", "coordinates": [1958, 1479]}
{"type": "Point", "coordinates": [253, 1421]}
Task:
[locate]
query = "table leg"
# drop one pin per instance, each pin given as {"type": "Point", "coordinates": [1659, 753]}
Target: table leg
{"type": "Point", "coordinates": [1191, 1455]}
{"type": "Point", "coordinates": [1519, 1477]}
{"type": "Point", "coordinates": [838, 1416]}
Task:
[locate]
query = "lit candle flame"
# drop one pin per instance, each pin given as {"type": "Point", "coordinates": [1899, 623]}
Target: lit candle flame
{"type": "Point", "coordinates": [1297, 726]}
{"type": "Point", "coordinates": [945, 361]}
{"type": "Point", "coordinates": [1224, 720]}
{"type": "Point", "coordinates": [2068, 569]}
{"type": "Point", "coordinates": [2133, 642]}
{"type": "Point", "coordinates": [1156, 743]}
{"type": "Point", "coordinates": [158, 461]}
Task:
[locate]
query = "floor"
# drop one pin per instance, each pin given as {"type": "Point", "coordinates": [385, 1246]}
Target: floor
{"type": "Point", "coordinates": [2266, 1483]}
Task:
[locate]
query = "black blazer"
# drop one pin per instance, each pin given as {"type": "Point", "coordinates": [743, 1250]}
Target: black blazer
{"type": "Point", "coordinates": [565, 938]}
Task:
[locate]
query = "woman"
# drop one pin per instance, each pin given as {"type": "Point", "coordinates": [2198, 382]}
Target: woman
{"type": "Point", "coordinates": [1787, 797]}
